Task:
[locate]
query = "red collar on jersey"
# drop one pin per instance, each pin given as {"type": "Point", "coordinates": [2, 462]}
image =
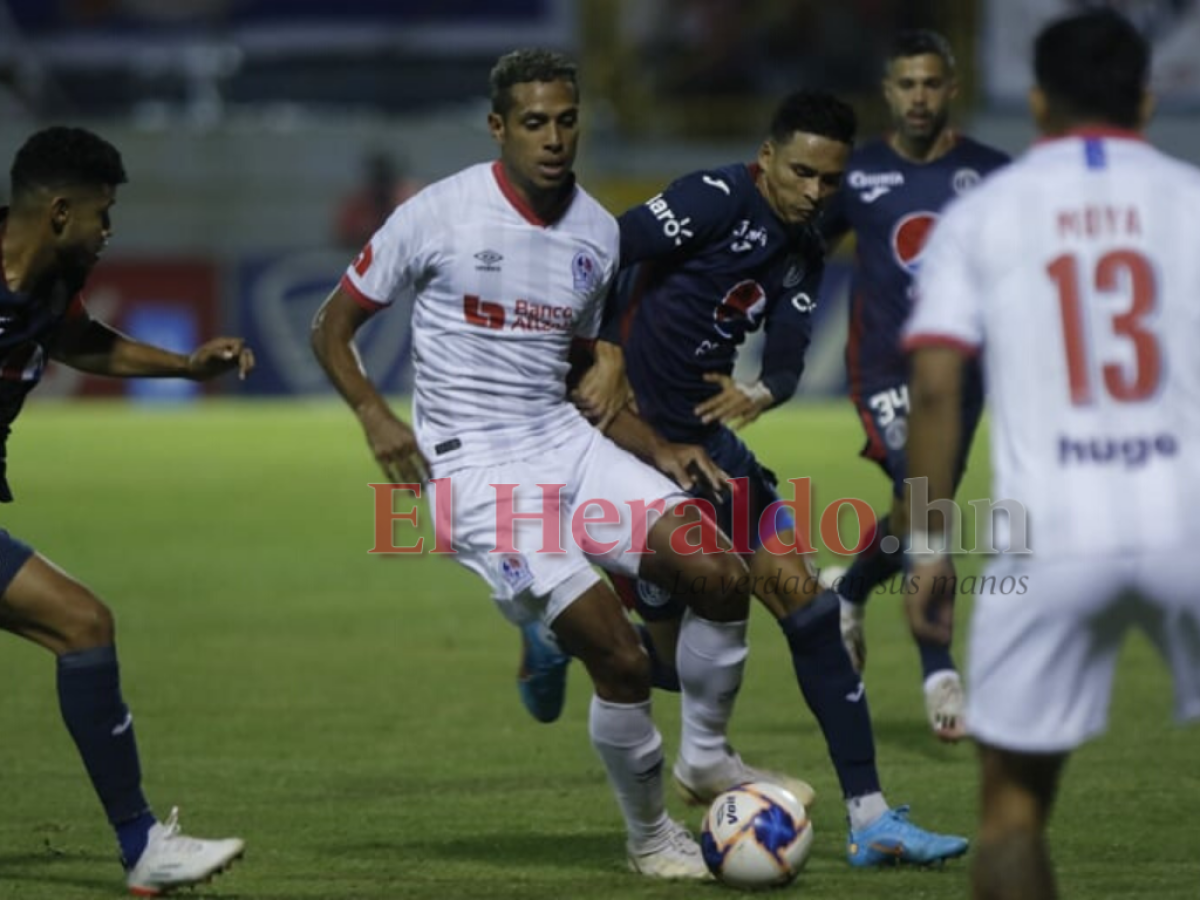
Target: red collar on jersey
{"type": "Point", "coordinates": [1094, 132]}
{"type": "Point", "coordinates": [520, 205]}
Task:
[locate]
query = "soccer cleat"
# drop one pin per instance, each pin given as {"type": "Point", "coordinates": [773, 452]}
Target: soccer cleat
{"type": "Point", "coordinates": [891, 840]}
{"type": "Point", "coordinates": [701, 787]}
{"type": "Point", "coordinates": [542, 678]}
{"type": "Point", "coordinates": [173, 860]}
{"type": "Point", "coordinates": [674, 855]}
{"type": "Point", "coordinates": [945, 705]}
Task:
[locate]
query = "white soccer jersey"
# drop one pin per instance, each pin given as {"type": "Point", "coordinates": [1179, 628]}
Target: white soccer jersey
{"type": "Point", "coordinates": [498, 297]}
{"type": "Point", "coordinates": [1077, 270]}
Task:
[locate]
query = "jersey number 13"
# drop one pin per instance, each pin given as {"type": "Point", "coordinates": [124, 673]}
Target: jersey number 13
{"type": "Point", "coordinates": [1130, 274]}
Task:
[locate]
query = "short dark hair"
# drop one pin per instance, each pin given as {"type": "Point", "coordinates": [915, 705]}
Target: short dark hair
{"type": "Point", "coordinates": [1093, 65]}
{"type": "Point", "coordinates": [814, 112]}
{"type": "Point", "coordinates": [919, 42]}
{"type": "Point", "coordinates": [59, 156]}
{"type": "Point", "coordinates": [524, 66]}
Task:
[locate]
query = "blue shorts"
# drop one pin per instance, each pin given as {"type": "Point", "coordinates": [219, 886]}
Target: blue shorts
{"type": "Point", "coordinates": [884, 414]}
{"type": "Point", "coordinates": [13, 555]}
{"type": "Point", "coordinates": [729, 452]}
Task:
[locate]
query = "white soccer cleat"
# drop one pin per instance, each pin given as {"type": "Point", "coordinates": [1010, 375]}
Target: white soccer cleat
{"type": "Point", "coordinates": [701, 787]}
{"type": "Point", "coordinates": [673, 855]}
{"type": "Point", "coordinates": [173, 860]}
{"type": "Point", "coordinates": [945, 704]}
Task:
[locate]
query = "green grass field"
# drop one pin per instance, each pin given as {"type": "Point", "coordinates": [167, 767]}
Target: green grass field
{"type": "Point", "coordinates": [354, 716]}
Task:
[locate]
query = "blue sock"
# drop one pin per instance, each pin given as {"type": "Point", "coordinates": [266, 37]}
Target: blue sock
{"type": "Point", "coordinates": [833, 692]}
{"type": "Point", "coordinates": [872, 567]}
{"type": "Point", "coordinates": [89, 697]}
{"type": "Point", "coordinates": [132, 836]}
{"type": "Point", "coordinates": [662, 676]}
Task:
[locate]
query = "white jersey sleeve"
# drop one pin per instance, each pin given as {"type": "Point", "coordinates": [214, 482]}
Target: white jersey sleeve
{"type": "Point", "coordinates": [399, 255]}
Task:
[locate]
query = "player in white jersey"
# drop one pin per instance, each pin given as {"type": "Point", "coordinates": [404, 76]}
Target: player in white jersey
{"type": "Point", "coordinates": [507, 264]}
{"type": "Point", "coordinates": [1074, 271]}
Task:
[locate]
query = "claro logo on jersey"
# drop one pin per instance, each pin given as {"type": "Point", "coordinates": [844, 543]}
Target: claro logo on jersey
{"type": "Point", "coordinates": [674, 228]}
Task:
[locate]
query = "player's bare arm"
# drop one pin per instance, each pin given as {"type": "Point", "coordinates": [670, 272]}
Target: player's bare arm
{"type": "Point", "coordinates": [604, 390]}
{"type": "Point", "coordinates": [935, 394]}
{"type": "Point", "coordinates": [89, 345]}
{"type": "Point", "coordinates": [737, 405]}
{"type": "Point", "coordinates": [391, 441]}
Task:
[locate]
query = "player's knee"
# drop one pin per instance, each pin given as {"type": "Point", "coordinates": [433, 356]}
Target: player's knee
{"type": "Point", "coordinates": [621, 673]}
{"type": "Point", "coordinates": [88, 623]}
{"type": "Point", "coordinates": [718, 586]}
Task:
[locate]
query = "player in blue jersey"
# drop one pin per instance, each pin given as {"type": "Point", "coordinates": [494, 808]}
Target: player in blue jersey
{"type": "Point", "coordinates": [719, 254]}
{"type": "Point", "coordinates": [895, 188]}
{"type": "Point", "coordinates": [64, 183]}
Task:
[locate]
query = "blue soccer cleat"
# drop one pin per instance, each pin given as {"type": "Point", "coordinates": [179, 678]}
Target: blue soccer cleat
{"type": "Point", "coordinates": [542, 678]}
{"type": "Point", "coordinates": [891, 840]}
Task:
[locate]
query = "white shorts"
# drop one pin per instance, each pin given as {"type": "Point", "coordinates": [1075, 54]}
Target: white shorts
{"type": "Point", "coordinates": [1042, 656]}
{"type": "Point", "coordinates": [529, 578]}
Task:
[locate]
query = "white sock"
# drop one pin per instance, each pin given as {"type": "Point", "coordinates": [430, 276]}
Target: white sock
{"type": "Point", "coordinates": [710, 658]}
{"type": "Point", "coordinates": [865, 810]}
{"type": "Point", "coordinates": [631, 749]}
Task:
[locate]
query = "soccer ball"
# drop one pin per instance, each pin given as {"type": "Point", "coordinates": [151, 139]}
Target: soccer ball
{"type": "Point", "coordinates": [756, 836]}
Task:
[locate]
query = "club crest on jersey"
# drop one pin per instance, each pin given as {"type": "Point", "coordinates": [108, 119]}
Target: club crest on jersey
{"type": "Point", "coordinates": [964, 180]}
{"type": "Point", "coordinates": [585, 271]}
{"type": "Point", "coordinates": [740, 309]}
{"type": "Point", "coordinates": [515, 571]}
{"type": "Point", "coordinates": [909, 238]}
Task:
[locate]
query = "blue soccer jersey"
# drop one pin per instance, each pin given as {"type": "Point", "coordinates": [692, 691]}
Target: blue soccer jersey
{"type": "Point", "coordinates": [892, 204]}
{"type": "Point", "coordinates": [704, 263]}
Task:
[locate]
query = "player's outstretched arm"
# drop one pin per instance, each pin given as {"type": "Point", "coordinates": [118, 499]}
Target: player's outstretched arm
{"type": "Point", "coordinates": [392, 442]}
{"type": "Point", "coordinates": [89, 345]}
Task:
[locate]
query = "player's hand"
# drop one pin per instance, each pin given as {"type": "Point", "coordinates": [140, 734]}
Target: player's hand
{"type": "Point", "coordinates": [690, 466]}
{"type": "Point", "coordinates": [602, 393]}
{"type": "Point", "coordinates": [737, 405]}
{"type": "Point", "coordinates": [930, 606]}
{"type": "Point", "coordinates": [393, 445]}
{"type": "Point", "coordinates": [218, 356]}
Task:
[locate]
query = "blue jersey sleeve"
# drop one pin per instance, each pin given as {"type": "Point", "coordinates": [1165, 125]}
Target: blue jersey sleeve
{"type": "Point", "coordinates": [788, 334]}
{"type": "Point", "coordinates": [691, 213]}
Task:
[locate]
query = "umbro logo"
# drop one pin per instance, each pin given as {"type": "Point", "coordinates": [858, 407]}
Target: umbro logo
{"type": "Point", "coordinates": [490, 259]}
